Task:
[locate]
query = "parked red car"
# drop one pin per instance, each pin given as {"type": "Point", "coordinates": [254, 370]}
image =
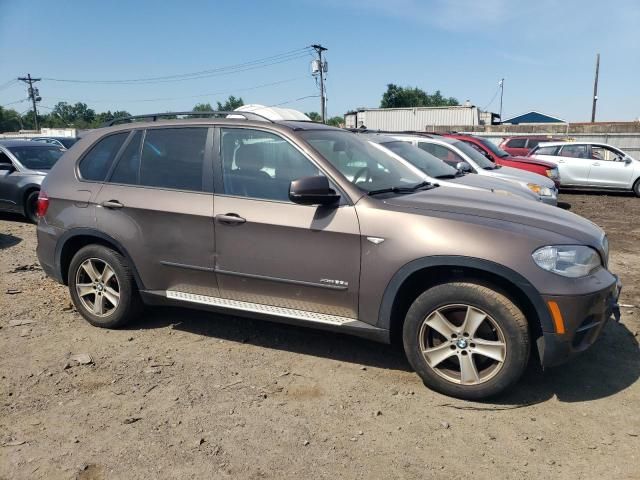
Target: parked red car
{"type": "Point", "coordinates": [522, 145]}
{"type": "Point", "coordinates": [500, 157]}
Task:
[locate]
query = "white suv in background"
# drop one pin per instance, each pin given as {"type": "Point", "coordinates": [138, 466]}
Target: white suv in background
{"type": "Point", "coordinates": [455, 152]}
{"type": "Point", "coordinates": [591, 166]}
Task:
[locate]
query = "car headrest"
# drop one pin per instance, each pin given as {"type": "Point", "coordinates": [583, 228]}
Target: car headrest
{"type": "Point", "coordinates": [250, 157]}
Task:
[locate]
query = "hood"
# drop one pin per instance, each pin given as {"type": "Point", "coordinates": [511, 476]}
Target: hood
{"type": "Point", "coordinates": [516, 210]}
{"type": "Point", "coordinates": [493, 184]}
{"type": "Point", "coordinates": [509, 173]}
{"type": "Point", "coordinates": [533, 161]}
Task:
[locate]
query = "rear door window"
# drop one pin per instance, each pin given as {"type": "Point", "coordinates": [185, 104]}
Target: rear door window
{"type": "Point", "coordinates": [545, 151]}
{"type": "Point", "coordinates": [575, 151]}
{"type": "Point", "coordinates": [173, 158]}
{"type": "Point", "coordinates": [517, 143]}
{"type": "Point", "coordinates": [128, 166]}
{"type": "Point", "coordinates": [95, 165]}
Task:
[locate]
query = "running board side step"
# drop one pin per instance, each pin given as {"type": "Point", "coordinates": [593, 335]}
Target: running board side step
{"type": "Point", "coordinates": [302, 317]}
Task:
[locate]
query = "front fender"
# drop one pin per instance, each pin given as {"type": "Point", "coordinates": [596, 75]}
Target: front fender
{"type": "Point", "coordinates": [478, 264]}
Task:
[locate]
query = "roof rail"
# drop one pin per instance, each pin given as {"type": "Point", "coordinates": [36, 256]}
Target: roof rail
{"type": "Point", "coordinates": [393, 132]}
{"type": "Point", "coordinates": [155, 116]}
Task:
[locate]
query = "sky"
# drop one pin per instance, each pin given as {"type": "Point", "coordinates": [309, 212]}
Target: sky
{"type": "Point", "coordinates": [545, 50]}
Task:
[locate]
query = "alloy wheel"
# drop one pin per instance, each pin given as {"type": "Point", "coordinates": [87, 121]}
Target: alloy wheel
{"type": "Point", "coordinates": [97, 287]}
{"type": "Point", "coordinates": [462, 344]}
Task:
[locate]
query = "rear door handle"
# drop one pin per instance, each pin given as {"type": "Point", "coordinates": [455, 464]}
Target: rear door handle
{"type": "Point", "coordinates": [112, 204]}
{"type": "Point", "coordinates": [230, 219]}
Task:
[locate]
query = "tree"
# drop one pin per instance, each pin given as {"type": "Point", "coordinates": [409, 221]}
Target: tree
{"type": "Point", "coordinates": [231, 104]}
{"type": "Point", "coordinates": [10, 120]}
{"type": "Point", "coordinates": [336, 121]}
{"type": "Point", "coordinates": [314, 116]}
{"type": "Point", "coordinates": [398, 97]}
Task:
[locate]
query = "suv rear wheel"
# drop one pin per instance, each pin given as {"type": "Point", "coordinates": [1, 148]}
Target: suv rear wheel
{"type": "Point", "coordinates": [102, 287]}
{"type": "Point", "coordinates": [636, 188]}
{"type": "Point", "coordinates": [466, 340]}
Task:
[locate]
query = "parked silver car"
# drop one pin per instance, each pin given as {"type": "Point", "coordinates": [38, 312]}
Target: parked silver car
{"type": "Point", "coordinates": [437, 171]}
{"type": "Point", "coordinates": [591, 166]}
{"type": "Point", "coordinates": [23, 166]}
{"type": "Point", "coordinates": [455, 152]}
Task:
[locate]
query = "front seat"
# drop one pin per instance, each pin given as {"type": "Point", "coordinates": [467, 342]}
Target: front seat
{"type": "Point", "coordinates": [248, 178]}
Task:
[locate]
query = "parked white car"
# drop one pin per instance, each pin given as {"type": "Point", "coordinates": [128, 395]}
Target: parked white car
{"type": "Point", "coordinates": [592, 166]}
{"type": "Point", "coordinates": [460, 155]}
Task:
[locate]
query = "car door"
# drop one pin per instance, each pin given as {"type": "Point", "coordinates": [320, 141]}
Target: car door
{"type": "Point", "coordinates": [9, 183]}
{"type": "Point", "coordinates": [574, 164]}
{"type": "Point", "coordinates": [609, 168]}
{"type": "Point", "coordinates": [157, 203]}
{"type": "Point", "coordinates": [272, 255]}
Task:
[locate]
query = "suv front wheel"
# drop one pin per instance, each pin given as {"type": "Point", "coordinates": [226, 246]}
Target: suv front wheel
{"type": "Point", "coordinates": [102, 287]}
{"type": "Point", "coordinates": [466, 340]}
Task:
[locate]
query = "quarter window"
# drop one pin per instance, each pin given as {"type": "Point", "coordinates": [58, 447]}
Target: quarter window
{"type": "Point", "coordinates": [171, 158]}
{"type": "Point", "coordinates": [96, 164]}
{"type": "Point", "coordinates": [259, 164]}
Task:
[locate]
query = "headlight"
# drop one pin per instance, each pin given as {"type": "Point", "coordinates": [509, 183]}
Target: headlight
{"type": "Point", "coordinates": [553, 173]}
{"type": "Point", "coordinates": [567, 260]}
{"type": "Point", "coordinates": [540, 190]}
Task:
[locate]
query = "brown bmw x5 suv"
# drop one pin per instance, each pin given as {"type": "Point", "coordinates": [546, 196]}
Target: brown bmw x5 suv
{"type": "Point", "coordinates": [304, 223]}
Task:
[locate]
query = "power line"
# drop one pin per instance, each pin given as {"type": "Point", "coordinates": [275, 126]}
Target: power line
{"type": "Point", "coordinates": [492, 98]}
{"type": "Point", "coordinates": [13, 103]}
{"type": "Point", "coordinates": [8, 84]}
{"type": "Point", "coordinates": [199, 95]}
{"type": "Point", "coordinates": [241, 67]}
{"type": "Point", "coordinates": [292, 100]}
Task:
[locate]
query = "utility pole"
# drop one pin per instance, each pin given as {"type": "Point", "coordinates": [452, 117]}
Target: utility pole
{"type": "Point", "coordinates": [595, 89]}
{"type": "Point", "coordinates": [323, 103]}
{"type": "Point", "coordinates": [34, 95]}
{"type": "Point", "coordinates": [501, 85]}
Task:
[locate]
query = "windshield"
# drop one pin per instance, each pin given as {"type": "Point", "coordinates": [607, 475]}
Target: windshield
{"type": "Point", "coordinates": [482, 161]}
{"type": "Point", "coordinates": [364, 165]}
{"type": "Point", "coordinates": [429, 164]}
{"type": "Point", "coordinates": [37, 157]}
{"type": "Point", "coordinates": [493, 147]}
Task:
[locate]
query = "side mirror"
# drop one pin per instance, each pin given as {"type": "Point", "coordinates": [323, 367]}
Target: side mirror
{"type": "Point", "coordinates": [6, 167]}
{"type": "Point", "coordinates": [312, 191]}
{"type": "Point", "coordinates": [627, 160]}
{"type": "Point", "coordinates": [463, 167]}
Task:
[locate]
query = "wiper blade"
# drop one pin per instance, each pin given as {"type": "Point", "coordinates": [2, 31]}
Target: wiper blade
{"type": "Point", "coordinates": [420, 186]}
{"type": "Point", "coordinates": [449, 175]}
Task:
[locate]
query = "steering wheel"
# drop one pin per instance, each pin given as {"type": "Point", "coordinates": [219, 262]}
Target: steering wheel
{"type": "Point", "coordinates": [360, 173]}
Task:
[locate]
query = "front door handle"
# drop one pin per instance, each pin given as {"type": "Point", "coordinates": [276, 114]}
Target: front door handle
{"type": "Point", "coordinates": [230, 219]}
{"type": "Point", "coordinates": [112, 204]}
{"type": "Point", "coordinates": [596, 164]}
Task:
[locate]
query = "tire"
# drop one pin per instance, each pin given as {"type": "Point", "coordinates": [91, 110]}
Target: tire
{"type": "Point", "coordinates": [118, 301]}
{"type": "Point", "coordinates": [496, 327]}
{"type": "Point", "coordinates": [636, 188]}
{"type": "Point", "coordinates": [30, 206]}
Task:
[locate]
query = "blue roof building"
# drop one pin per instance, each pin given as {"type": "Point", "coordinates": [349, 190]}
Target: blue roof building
{"type": "Point", "coordinates": [533, 117]}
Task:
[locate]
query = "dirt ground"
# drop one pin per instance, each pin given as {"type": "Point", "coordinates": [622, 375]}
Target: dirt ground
{"type": "Point", "coordinates": [186, 394]}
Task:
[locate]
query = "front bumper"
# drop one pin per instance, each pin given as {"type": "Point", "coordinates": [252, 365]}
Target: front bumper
{"type": "Point", "coordinates": [584, 318]}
